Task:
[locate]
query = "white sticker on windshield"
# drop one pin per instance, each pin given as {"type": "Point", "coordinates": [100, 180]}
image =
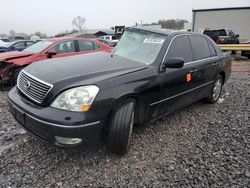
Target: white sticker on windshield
{"type": "Point", "coordinates": [153, 41]}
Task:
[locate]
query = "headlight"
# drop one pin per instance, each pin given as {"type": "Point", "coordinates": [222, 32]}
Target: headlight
{"type": "Point", "coordinates": [77, 99]}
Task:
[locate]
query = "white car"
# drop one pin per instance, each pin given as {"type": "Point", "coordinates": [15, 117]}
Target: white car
{"type": "Point", "coordinates": [109, 38]}
{"type": "Point", "coordinates": [2, 43]}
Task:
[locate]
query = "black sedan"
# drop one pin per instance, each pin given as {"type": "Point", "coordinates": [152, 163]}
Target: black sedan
{"type": "Point", "coordinates": [149, 74]}
{"type": "Point", "coordinates": [18, 45]}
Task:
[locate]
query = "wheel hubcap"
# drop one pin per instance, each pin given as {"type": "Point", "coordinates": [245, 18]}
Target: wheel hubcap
{"type": "Point", "coordinates": [217, 89]}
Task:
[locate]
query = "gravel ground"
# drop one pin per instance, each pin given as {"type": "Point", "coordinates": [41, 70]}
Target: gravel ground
{"type": "Point", "coordinates": [200, 146]}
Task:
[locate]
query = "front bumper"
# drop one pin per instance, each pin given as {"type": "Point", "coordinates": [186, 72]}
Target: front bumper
{"type": "Point", "coordinates": [47, 123]}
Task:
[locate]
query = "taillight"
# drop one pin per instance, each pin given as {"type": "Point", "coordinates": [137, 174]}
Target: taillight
{"type": "Point", "coordinates": [218, 40]}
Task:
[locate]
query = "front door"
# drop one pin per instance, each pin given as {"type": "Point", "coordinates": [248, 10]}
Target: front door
{"type": "Point", "coordinates": [177, 83]}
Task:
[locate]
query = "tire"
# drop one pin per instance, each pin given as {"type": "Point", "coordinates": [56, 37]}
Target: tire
{"type": "Point", "coordinates": [216, 90]}
{"type": "Point", "coordinates": [121, 127]}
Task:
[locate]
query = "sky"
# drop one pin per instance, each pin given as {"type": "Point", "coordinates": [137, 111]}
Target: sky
{"type": "Point", "coordinates": [55, 16]}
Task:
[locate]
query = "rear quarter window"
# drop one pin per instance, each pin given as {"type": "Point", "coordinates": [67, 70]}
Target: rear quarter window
{"type": "Point", "coordinates": [212, 50]}
{"type": "Point", "coordinates": [200, 46]}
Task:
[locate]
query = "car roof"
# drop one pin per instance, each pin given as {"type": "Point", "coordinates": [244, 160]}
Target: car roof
{"type": "Point", "coordinates": [69, 38]}
{"type": "Point", "coordinates": [153, 30]}
{"type": "Point", "coordinates": [167, 32]}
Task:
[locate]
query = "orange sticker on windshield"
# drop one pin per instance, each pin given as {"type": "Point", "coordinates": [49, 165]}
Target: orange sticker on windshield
{"type": "Point", "coordinates": [189, 78]}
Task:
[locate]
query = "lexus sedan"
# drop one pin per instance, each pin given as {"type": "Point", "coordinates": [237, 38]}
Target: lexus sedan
{"type": "Point", "coordinates": [151, 73]}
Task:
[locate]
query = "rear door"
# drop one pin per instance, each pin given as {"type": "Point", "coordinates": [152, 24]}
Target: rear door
{"type": "Point", "coordinates": [205, 61]}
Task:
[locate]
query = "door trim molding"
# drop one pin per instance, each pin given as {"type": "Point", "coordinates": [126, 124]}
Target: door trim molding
{"type": "Point", "coordinates": [166, 99]}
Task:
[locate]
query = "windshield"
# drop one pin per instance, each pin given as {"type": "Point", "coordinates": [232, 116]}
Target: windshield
{"type": "Point", "coordinates": [38, 47]}
{"type": "Point", "coordinates": [139, 45]}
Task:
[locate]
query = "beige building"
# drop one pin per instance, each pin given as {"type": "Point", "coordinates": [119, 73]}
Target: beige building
{"type": "Point", "coordinates": [237, 19]}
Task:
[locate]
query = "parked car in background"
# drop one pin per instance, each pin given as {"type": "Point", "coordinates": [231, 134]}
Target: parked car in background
{"type": "Point", "coordinates": [4, 39]}
{"type": "Point", "coordinates": [110, 37]}
{"type": "Point", "coordinates": [150, 73]}
{"type": "Point", "coordinates": [17, 37]}
{"type": "Point", "coordinates": [223, 36]}
{"type": "Point", "coordinates": [2, 43]}
{"type": "Point", "coordinates": [17, 45]}
{"type": "Point", "coordinates": [12, 62]}
{"type": "Point", "coordinates": [108, 42]}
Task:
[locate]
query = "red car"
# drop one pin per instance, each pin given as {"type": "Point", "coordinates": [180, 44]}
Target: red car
{"type": "Point", "coordinates": [12, 62]}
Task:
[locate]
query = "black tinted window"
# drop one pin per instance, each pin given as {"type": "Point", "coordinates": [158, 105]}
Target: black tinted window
{"type": "Point", "coordinates": [85, 45]}
{"type": "Point", "coordinates": [200, 47]}
{"type": "Point", "coordinates": [212, 50]}
{"type": "Point", "coordinates": [181, 48]}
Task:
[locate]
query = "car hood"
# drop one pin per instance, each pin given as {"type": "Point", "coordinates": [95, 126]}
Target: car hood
{"type": "Point", "coordinates": [7, 56]}
{"type": "Point", "coordinates": [88, 68]}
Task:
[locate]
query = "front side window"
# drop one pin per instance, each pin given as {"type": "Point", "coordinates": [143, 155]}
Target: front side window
{"type": "Point", "coordinates": [139, 45]}
{"type": "Point", "coordinates": [200, 47]}
{"type": "Point", "coordinates": [65, 47]}
{"type": "Point", "coordinates": [39, 47]}
{"type": "Point", "coordinates": [19, 45]}
{"type": "Point", "coordinates": [180, 48]}
{"type": "Point", "coordinates": [85, 45]}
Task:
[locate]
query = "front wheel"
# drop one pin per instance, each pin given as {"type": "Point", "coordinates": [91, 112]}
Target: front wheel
{"type": "Point", "coordinates": [121, 127]}
{"type": "Point", "coordinates": [216, 91]}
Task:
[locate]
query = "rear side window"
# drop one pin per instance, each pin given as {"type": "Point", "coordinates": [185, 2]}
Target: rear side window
{"type": "Point", "coordinates": [107, 38]}
{"type": "Point", "coordinates": [96, 46]}
{"type": "Point", "coordinates": [85, 45]}
{"type": "Point", "coordinates": [200, 47]}
{"type": "Point", "coordinates": [29, 43]}
{"type": "Point", "coordinates": [181, 48]}
{"type": "Point", "coordinates": [212, 50]}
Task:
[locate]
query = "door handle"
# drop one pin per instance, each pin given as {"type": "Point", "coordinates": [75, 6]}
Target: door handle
{"type": "Point", "coordinates": [193, 71]}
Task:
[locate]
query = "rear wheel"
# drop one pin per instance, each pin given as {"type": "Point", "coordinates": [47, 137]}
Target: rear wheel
{"type": "Point", "coordinates": [121, 127]}
{"type": "Point", "coordinates": [216, 91]}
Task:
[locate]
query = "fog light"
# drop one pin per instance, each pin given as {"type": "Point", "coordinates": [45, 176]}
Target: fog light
{"type": "Point", "coordinates": [68, 141]}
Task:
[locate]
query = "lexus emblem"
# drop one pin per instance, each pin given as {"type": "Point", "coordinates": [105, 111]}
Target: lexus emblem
{"type": "Point", "coordinates": [27, 85]}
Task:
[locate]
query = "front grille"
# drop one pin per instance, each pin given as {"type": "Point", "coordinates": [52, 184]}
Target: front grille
{"type": "Point", "coordinates": [34, 88]}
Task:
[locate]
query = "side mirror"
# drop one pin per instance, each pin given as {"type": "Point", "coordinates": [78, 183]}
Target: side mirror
{"type": "Point", "coordinates": [174, 63]}
{"type": "Point", "coordinates": [237, 35]}
{"type": "Point", "coordinates": [51, 53]}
